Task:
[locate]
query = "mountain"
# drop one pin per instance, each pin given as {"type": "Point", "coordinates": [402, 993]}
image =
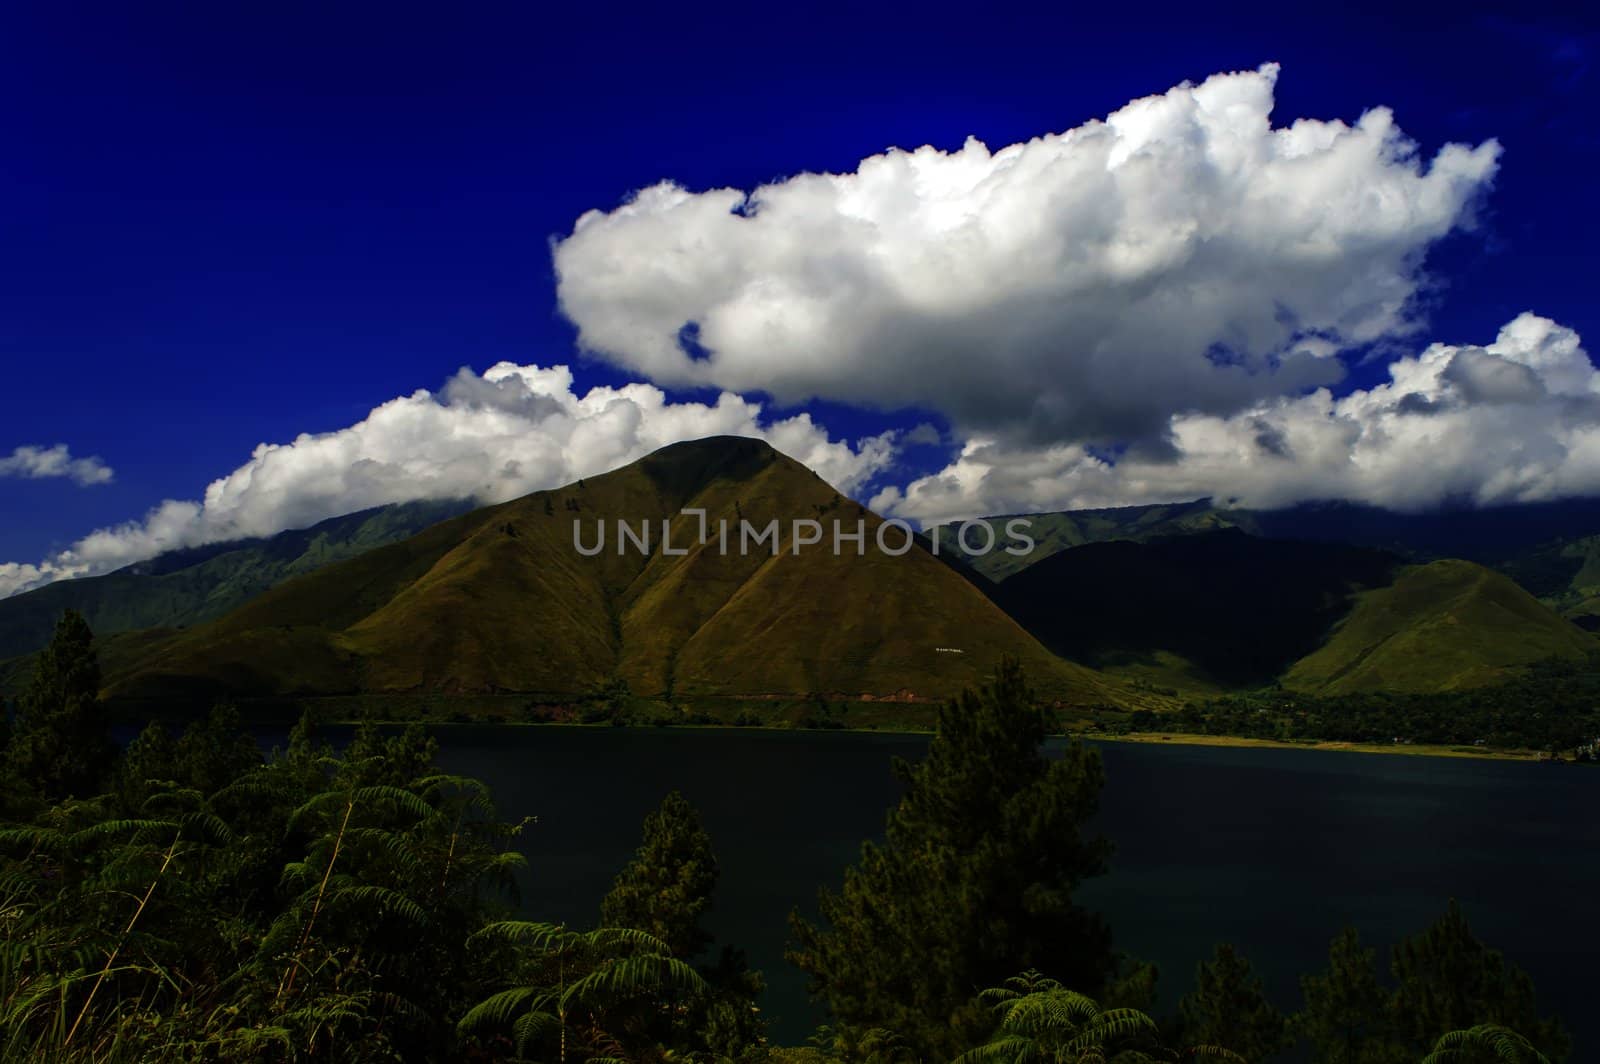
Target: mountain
{"type": "Point", "coordinates": [1229, 608]}
{"type": "Point", "coordinates": [1564, 574]}
{"type": "Point", "coordinates": [1054, 532]}
{"type": "Point", "coordinates": [186, 587]}
{"type": "Point", "coordinates": [1552, 548]}
{"type": "Point", "coordinates": [1441, 626]}
{"type": "Point", "coordinates": [500, 600]}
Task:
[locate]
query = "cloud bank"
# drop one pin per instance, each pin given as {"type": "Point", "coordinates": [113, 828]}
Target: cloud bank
{"type": "Point", "coordinates": [1155, 306]}
{"type": "Point", "coordinates": [513, 430]}
{"type": "Point", "coordinates": [1181, 257]}
{"type": "Point", "coordinates": [35, 463]}
{"type": "Point", "coordinates": [1516, 420]}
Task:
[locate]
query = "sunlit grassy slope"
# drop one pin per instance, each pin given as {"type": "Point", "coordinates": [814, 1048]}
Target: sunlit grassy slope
{"type": "Point", "coordinates": [1442, 626]}
{"type": "Point", "coordinates": [499, 600]}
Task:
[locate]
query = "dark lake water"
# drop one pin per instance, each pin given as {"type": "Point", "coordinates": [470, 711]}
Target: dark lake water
{"type": "Point", "coordinates": [1272, 850]}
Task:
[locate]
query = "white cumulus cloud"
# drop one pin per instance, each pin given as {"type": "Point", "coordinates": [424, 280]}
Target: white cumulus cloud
{"type": "Point", "coordinates": [1183, 256]}
{"type": "Point", "coordinates": [512, 430]}
{"type": "Point", "coordinates": [36, 463]}
{"type": "Point", "coordinates": [1516, 420]}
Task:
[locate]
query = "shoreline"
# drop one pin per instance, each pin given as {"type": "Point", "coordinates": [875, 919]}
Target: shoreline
{"type": "Point", "coordinates": [1444, 750]}
{"type": "Point", "coordinates": [1391, 749]}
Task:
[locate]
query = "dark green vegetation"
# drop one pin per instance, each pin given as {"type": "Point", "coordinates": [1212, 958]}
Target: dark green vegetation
{"type": "Point", "coordinates": [1552, 705]}
{"type": "Point", "coordinates": [192, 901]}
{"type": "Point", "coordinates": [1241, 610]}
{"type": "Point", "coordinates": [1055, 532]}
{"type": "Point", "coordinates": [1545, 537]}
{"type": "Point", "coordinates": [187, 587]}
{"type": "Point", "coordinates": [987, 820]}
{"type": "Point", "coordinates": [1225, 610]}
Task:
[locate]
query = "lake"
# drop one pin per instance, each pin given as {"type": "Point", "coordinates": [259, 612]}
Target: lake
{"type": "Point", "coordinates": [1273, 850]}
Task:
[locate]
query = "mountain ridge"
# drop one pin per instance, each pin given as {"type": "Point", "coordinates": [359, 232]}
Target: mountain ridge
{"type": "Point", "coordinates": [196, 584]}
{"type": "Point", "coordinates": [499, 599]}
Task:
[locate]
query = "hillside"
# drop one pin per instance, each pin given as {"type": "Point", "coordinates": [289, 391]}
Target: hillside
{"type": "Point", "coordinates": [1563, 574]}
{"type": "Point", "coordinates": [187, 587]}
{"type": "Point", "coordinates": [1532, 539]}
{"type": "Point", "coordinates": [1442, 626]}
{"type": "Point", "coordinates": [1055, 532]}
{"type": "Point", "coordinates": [1223, 608]}
{"type": "Point", "coordinates": [499, 600]}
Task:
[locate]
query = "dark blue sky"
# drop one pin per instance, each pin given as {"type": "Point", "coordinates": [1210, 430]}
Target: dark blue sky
{"type": "Point", "coordinates": [225, 224]}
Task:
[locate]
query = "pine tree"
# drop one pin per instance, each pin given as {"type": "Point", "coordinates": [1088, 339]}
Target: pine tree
{"type": "Point", "coordinates": [1346, 1015]}
{"type": "Point", "coordinates": [148, 762]}
{"type": "Point", "coordinates": [215, 751]}
{"type": "Point", "coordinates": [1229, 1008]}
{"type": "Point", "coordinates": [667, 887]}
{"type": "Point", "coordinates": [664, 891]}
{"type": "Point", "coordinates": [61, 748]}
{"type": "Point", "coordinates": [1449, 981]}
{"type": "Point", "coordinates": [972, 883]}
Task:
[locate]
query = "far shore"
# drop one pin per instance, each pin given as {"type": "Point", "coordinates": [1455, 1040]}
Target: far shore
{"type": "Point", "coordinates": [1412, 749]}
{"type": "Point", "coordinates": [1160, 738]}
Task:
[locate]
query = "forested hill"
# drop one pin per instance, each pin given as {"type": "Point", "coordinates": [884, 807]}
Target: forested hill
{"type": "Point", "coordinates": [186, 587]}
{"type": "Point", "coordinates": [1544, 546]}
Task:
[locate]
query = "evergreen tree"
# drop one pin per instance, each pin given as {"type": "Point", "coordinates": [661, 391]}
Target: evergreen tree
{"type": "Point", "coordinates": [215, 751]}
{"type": "Point", "coordinates": [1346, 1014]}
{"type": "Point", "coordinates": [375, 759]}
{"type": "Point", "coordinates": [664, 891]}
{"type": "Point", "coordinates": [61, 748]}
{"type": "Point", "coordinates": [667, 887]}
{"type": "Point", "coordinates": [1449, 981]}
{"type": "Point", "coordinates": [149, 762]}
{"type": "Point", "coordinates": [1229, 1008]}
{"type": "Point", "coordinates": [972, 883]}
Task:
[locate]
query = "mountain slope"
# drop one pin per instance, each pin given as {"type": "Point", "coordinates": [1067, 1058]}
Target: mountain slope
{"type": "Point", "coordinates": [500, 600]}
{"type": "Point", "coordinates": [1502, 537]}
{"type": "Point", "coordinates": [187, 587]}
{"type": "Point", "coordinates": [1054, 532]}
{"type": "Point", "coordinates": [1238, 609]}
{"type": "Point", "coordinates": [1441, 626]}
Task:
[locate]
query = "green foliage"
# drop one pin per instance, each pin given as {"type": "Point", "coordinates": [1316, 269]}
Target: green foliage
{"type": "Point", "coordinates": [1566, 692]}
{"type": "Point", "coordinates": [1228, 1008]}
{"type": "Point", "coordinates": [1346, 1016]}
{"type": "Point", "coordinates": [311, 904]}
{"type": "Point", "coordinates": [667, 887]}
{"type": "Point", "coordinates": [666, 890]}
{"type": "Point", "coordinates": [974, 878]}
{"type": "Point", "coordinates": [202, 903]}
{"type": "Point", "coordinates": [1039, 1021]}
{"type": "Point", "coordinates": [587, 995]}
{"type": "Point", "coordinates": [60, 748]}
{"type": "Point", "coordinates": [1485, 1044]}
{"type": "Point", "coordinates": [1448, 980]}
